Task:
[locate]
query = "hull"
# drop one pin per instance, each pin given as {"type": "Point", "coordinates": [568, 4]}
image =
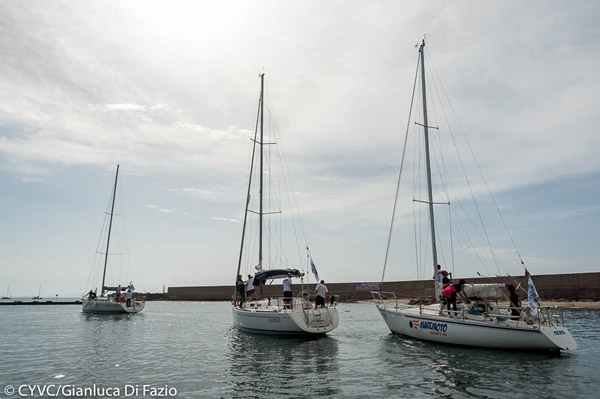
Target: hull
{"type": "Point", "coordinates": [301, 320]}
{"type": "Point", "coordinates": [415, 322]}
{"type": "Point", "coordinates": [102, 305]}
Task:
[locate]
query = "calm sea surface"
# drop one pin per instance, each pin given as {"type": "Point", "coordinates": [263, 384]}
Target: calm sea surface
{"type": "Point", "coordinates": [191, 350]}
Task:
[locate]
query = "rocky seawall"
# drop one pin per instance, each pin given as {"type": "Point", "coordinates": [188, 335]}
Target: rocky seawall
{"type": "Point", "coordinates": [555, 287]}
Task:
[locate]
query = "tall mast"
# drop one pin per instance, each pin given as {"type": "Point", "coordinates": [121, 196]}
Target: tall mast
{"type": "Point", "coordinates": [112, 210]}
{"type": "Point", "coordinates": [427, 160]}
{"type": "Point", "coordinates": [255, 141]}
{"type": "Point", "coordinates": [260, 212]}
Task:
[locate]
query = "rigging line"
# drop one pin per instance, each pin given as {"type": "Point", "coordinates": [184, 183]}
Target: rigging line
{"type": "Point", "coordinates": [462, 231]}
{"type": "Point", "coordinates": [273, 245]}
{"type": "Point", "coordinates": [465, 173]}
{"type": "Point", "coordinates": [441, 247]}
{"type": "Point", "coordinates": [387, 249]}
{"type": "Point", "coordinates": [287, 179]}
{"type": "Point", "coordinates": [125, 260]}
{"type": "Point", "coordinates": [418, 166]}
{"type": "Point", "coordinates": [279, 248]}
{"type": "Point", "coordinates": [421, 244]}
{"type": "Point", "coordinates": [443, 170]}
{"type": "Point", "coordinates": [481, 173]}
{"type": "Point", "coordinates": [94, 268]}
{"type": "Point", "coordinates": [444, 178]}
{"type": "Point", "coordinates": [416, 237]}
{"type": "Point", "coordinates": [282, 165]}
{"type": "Point", "coordinates": [451, 235]}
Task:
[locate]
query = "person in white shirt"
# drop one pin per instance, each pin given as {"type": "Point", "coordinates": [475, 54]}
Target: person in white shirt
{"type": "Point", "coordinates": [287, 291]}
{"type": "Point", "coordinates": [321, 290]}
{"type": "Point", "coordinates": [250, 287]}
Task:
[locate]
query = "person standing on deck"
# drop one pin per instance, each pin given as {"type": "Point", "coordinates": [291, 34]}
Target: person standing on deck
{"type": "Point", "coordinates": [515, 302]}
{"type": "Point", "coordinates": [321, 290]}
{"type": "Point", "coordinates": [442, 280]}
{"type": "Point", "coordinates": [118, 293]}
{"type": "Point", "coordinates": [240, 287]}
{"type": "Point", "coordinates": [287, 291]}
{"type": "Point", "coordinates": [250, 287]}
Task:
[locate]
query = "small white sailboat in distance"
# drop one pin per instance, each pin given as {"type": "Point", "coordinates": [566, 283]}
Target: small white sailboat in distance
{"type": "Point", "coordinates": [7, 293]}
{"type": "Point", "coordinates": [122, 301]}
{"type": "Point", "coordinates": [479, 320]}
{"type": "Point", "coordinates": [39, 292]}
{"type": "Point", "coordinates": [279, 315]}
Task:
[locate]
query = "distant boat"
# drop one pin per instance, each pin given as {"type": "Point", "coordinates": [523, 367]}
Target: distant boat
{"type": "Point", "coordinates": [39, 291]}
{"type": "Point", "coordinates": [7, 293]}
{"type": "Point", "coordinates": [275, 315]}
{"type": "Point", "coordinates": [479, 320]}
{"type": "Point", "coordinates": [116, 303]}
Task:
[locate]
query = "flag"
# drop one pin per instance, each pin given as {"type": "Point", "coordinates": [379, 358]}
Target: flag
{"type": "Point", "coordinates": [314, 269]}
{"type": "Point", "coordinates": [532, 295]}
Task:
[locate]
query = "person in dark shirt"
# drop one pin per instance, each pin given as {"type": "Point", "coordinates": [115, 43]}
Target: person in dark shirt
{"type": "Point", "coordinates": [241, 289]}
{"type": "Point", "coordinates": [515, 302]}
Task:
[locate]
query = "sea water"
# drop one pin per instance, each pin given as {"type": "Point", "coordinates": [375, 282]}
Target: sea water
{"type": "Point", "coordinates": [191, 350]}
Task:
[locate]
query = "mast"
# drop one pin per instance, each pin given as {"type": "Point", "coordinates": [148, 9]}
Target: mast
{"type": "Point", "coordinates": [112, 210]}
{"type": "Point", "coordinates": [259, 113]}
{"type": "Point", "coordinates": [260, 212]}
{"type": "Point", "coordinates": [427, 160]}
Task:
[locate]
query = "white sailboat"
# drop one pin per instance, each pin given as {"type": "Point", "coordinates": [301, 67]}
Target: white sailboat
{"type": "Point", "coordinates": [479, 320]}
{"type": "Point", "coordinates": [39, 292]}
{"type": "Point", "coordinates": [122, 301]}
{"type": "Point", "coordinates": [275, 315]}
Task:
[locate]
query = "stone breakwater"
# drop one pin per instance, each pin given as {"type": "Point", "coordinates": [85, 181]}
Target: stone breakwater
{"type": "Point", "coordinates": [576, 287]}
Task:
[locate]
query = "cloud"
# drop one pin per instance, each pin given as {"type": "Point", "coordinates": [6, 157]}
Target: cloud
{"type": "Point", "coordinates": [226, 220]}
{"type": "Point", "coordinates": [119, 107]}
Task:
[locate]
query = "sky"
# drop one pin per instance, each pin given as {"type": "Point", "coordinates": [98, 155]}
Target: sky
{"type": "Point", "coordinates": [169, 90]}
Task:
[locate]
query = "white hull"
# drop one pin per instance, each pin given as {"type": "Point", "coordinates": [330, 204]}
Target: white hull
{"type": "Point", "coordinates": [104, 305]}
{"type": "Point", "coordinates": [262, 317]}
{"type": "Point", "coordinates": [500, 332]}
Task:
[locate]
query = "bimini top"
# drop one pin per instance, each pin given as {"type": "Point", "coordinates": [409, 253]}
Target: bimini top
{"type": "Point", "coordinates": [276, 273]}
{"type": "Point", "coordinates": [488, 291]}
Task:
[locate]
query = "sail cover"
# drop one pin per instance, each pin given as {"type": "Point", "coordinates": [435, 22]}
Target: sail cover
{"type": "Point", "coordinates": [276, 273]}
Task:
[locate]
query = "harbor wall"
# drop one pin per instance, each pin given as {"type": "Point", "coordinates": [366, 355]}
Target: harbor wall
{"type": "Point", "coordinates": [566, 287]}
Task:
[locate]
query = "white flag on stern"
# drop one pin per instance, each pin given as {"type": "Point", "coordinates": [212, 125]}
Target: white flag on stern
{"type": "Point", "coordinates": [314, 269]}
{"type": "Point", "coordinates": [532, 295]}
